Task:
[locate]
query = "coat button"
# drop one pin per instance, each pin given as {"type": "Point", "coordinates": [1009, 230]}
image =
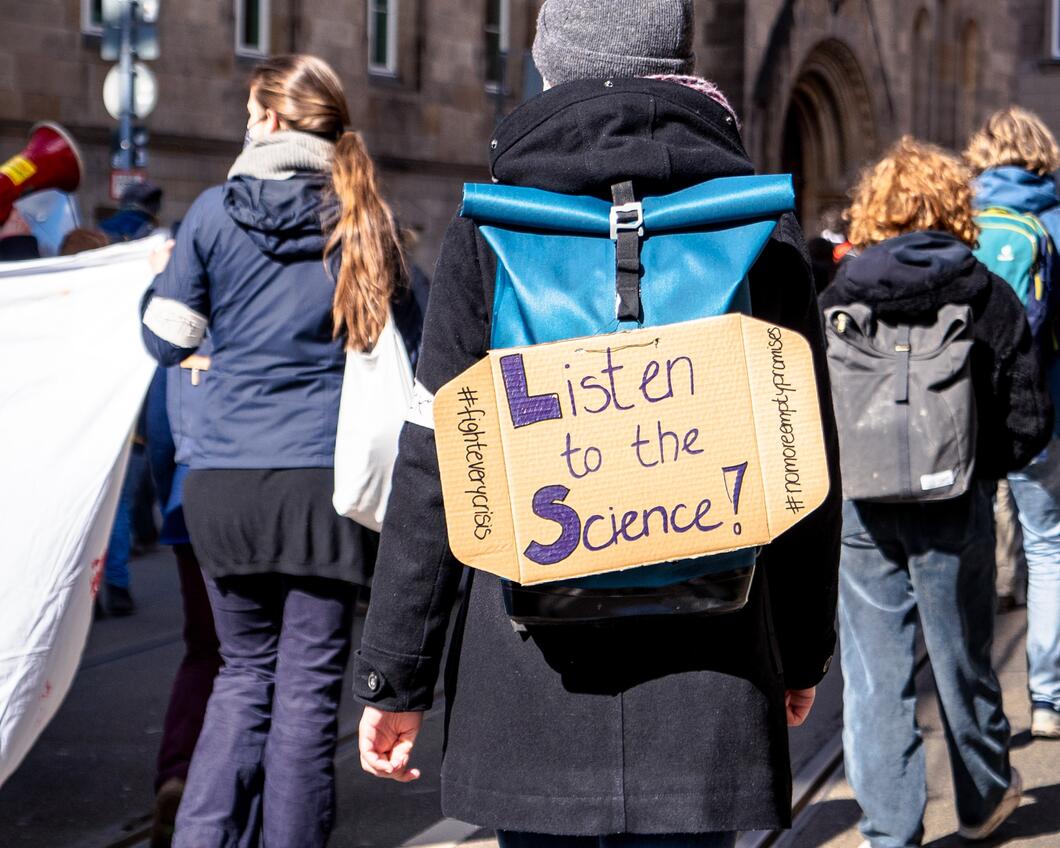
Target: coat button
{"type": "Point", "coordinates": [373, 681]}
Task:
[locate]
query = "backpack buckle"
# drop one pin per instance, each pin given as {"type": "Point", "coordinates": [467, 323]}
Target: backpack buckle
{"type": "Point", "coordinates": [621, 222]}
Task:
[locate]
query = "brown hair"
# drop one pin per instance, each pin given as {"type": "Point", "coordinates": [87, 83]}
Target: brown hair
{"type": "Point", "coordinates": [915, 186]}
{"type": "Point", "coordinates": [1013, 136]}
{"type": "Point", "coordinates": [306, 95]}
{"type": "Point", "coordinates": [82, 239]}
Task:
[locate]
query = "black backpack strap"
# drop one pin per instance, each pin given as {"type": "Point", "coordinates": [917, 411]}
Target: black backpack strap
{"type": "Point", "coordinates": [903, 351]}
{"type": "Point", "coordinates": [627, 219]}
{"type": "Point", "coordinates": [901, 377]}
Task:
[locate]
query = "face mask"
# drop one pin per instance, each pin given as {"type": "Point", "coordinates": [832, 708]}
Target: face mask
{"type": "Point", "coordinates": [248, 139]}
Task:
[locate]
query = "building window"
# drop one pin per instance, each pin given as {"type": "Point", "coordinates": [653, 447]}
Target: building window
{"type": "Point", "coordinates": [252, 27]}
{"type": "Point", "coordinates": [92, 17]}
{"type": "Point", "coordinates": [382, 36]}
{"type": "Point", "coordinates": [1054, 42]}
{"type": "Point", "coordinates": [497, 14]}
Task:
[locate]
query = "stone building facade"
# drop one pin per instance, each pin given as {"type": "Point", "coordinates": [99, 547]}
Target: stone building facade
{"type": "Point", "coordinates": [825, 85]}
{"type": "Point", "coordinates": [426, 109]}
{"type": "Point", "coordinates": [821, 85]}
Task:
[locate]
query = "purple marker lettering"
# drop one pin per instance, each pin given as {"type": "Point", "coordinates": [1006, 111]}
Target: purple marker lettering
{"type": "Point", "coordinates": [610, 372]}
{"type": "Point", "coordinates": [548, 505]}
{"type": "Point", "coordinates": [525, 408]}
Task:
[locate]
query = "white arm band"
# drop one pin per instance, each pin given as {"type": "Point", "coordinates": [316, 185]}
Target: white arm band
{"type": "Point", "coordinates": [174, 322]}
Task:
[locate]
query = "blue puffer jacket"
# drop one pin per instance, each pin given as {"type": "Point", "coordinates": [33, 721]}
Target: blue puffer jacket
{"type": "Point", "coordinates": [248, 264]}
{"type": "Point", "coordinates": [1019, 189]}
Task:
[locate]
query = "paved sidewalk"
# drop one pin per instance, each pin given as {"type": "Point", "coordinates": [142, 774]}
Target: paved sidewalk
{"type": "Point", "coordinates": [831, 821]}
{"type": "Point", "coordinates": [87, 783]}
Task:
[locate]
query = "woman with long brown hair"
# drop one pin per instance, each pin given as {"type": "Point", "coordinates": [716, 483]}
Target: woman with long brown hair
{"type": "Point", "coordinates": [293, 260]}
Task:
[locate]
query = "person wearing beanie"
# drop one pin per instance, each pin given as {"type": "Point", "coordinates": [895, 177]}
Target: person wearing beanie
{"type": "Point", "coordinates": [668, 731]}
{"type": "Point", "coordinates": [598, 39]}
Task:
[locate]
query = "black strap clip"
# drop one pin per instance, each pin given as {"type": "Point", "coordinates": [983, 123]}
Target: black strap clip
{"type": "Point", "coordinates": [627, 229]}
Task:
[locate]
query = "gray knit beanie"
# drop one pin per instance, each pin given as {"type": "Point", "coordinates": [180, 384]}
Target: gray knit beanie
{"type": "Point", "coordinates": [603, 39]}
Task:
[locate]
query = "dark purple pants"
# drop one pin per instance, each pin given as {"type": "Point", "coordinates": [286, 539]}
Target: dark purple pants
{"type": "Point", "coordinates": [194, 680]}
{"type": "Point", "coordinates": [263, 772]}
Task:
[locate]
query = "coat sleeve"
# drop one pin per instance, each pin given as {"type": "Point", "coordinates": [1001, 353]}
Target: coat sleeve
{"type": "Point", "coordinates": [802, 565]}
{"type": "Point", "coordinates": [417, 578]}
{"type": "Point", "coordinates": [1017, 422]}
{"type": "Point", "coordinates": [176, 307]}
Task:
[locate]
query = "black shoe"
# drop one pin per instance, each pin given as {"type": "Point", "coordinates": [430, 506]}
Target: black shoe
{"type": "Point", "coordinates": [119, 601]}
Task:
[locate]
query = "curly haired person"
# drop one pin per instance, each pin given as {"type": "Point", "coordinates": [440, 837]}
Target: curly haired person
{"type": "Point", "coordinates": [1015, 156]}
{"type": "Point", "coordinates": [929, 564]}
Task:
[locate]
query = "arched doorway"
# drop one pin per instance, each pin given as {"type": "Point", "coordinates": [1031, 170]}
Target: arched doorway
{"type": "Point", "coordinates": [829, 130]}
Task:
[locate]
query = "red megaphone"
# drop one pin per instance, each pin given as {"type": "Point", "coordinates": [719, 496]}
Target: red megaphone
{"type": "Point", "coordinates": [50, 160]}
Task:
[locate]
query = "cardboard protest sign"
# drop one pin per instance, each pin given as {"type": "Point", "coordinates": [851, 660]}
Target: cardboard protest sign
{"type": "Point", "coordinates": [655, 445]}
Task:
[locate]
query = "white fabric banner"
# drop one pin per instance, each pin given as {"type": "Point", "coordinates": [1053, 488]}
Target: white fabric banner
{"type": "Point", "coordinates": [73, 372]}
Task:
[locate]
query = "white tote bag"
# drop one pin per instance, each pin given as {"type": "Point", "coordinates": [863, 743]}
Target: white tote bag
{"type": "Point", "coordinates": [376, 394]}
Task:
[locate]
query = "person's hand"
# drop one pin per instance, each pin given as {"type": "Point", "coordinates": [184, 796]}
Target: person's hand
{"type": "Point", "coordinates": [385, 741]}
{"type": "Point", "coordinates": [15, 225]}
{"type": "Point", "coordinates": [159, 257]}
{"type": "Point", "coordinates": [798, 703]}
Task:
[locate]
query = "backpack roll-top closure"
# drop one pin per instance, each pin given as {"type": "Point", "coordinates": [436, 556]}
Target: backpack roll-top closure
{"type": "Point", "coordinates": [726, 200]}
{"type": "Point", "coordinates": [559, 269]}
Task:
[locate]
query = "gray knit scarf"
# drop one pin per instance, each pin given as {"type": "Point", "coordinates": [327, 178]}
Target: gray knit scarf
{"type": "Point", "coordinates": [283, 154]}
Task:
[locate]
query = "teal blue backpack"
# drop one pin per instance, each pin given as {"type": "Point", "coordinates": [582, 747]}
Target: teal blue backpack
{"type": "Point", "coordinates": [1016, 247]}
{"type": "Point", "coordinates": [571, 266]}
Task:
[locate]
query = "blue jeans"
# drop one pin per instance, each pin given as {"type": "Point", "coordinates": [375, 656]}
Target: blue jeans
{"type": "Point", "coordinates": [511, 839]}
{"type": "Point", "coordinates": [263, 771]}
{"type": "Point", "coordinates": [898, 560]}
{"type": "Point", "coordinates": [116, 564]}
{"type": "Point", "coordinates": [1037, 492]}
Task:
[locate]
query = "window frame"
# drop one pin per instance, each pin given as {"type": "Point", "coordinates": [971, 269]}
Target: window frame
{"type": "Point", "coordinates": [89, 26]}
{"type": "Point", "coordinates": [261, 49]}
{"type": "Point", "coordinates": [390, 68]}
{"type": "Point", "coordinates": [1054, 31]}
{"type": "Point", "coordinates": [504, 35]}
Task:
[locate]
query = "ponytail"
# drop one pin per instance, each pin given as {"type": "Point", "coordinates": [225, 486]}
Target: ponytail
{"type": "Point", "coordinates": [372, 265]}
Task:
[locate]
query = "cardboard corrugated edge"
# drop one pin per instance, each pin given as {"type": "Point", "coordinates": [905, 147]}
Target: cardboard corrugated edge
{"type": "Point", "coordinates": [495, 552]}
{"type": "Point", "coordinates": [794, 487]}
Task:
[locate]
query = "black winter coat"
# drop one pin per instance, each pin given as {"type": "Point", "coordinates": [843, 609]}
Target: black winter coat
{"type": "Point", "coordinates": [908, 278]}
{"type": "Point", "coordinates": [664, 725]}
